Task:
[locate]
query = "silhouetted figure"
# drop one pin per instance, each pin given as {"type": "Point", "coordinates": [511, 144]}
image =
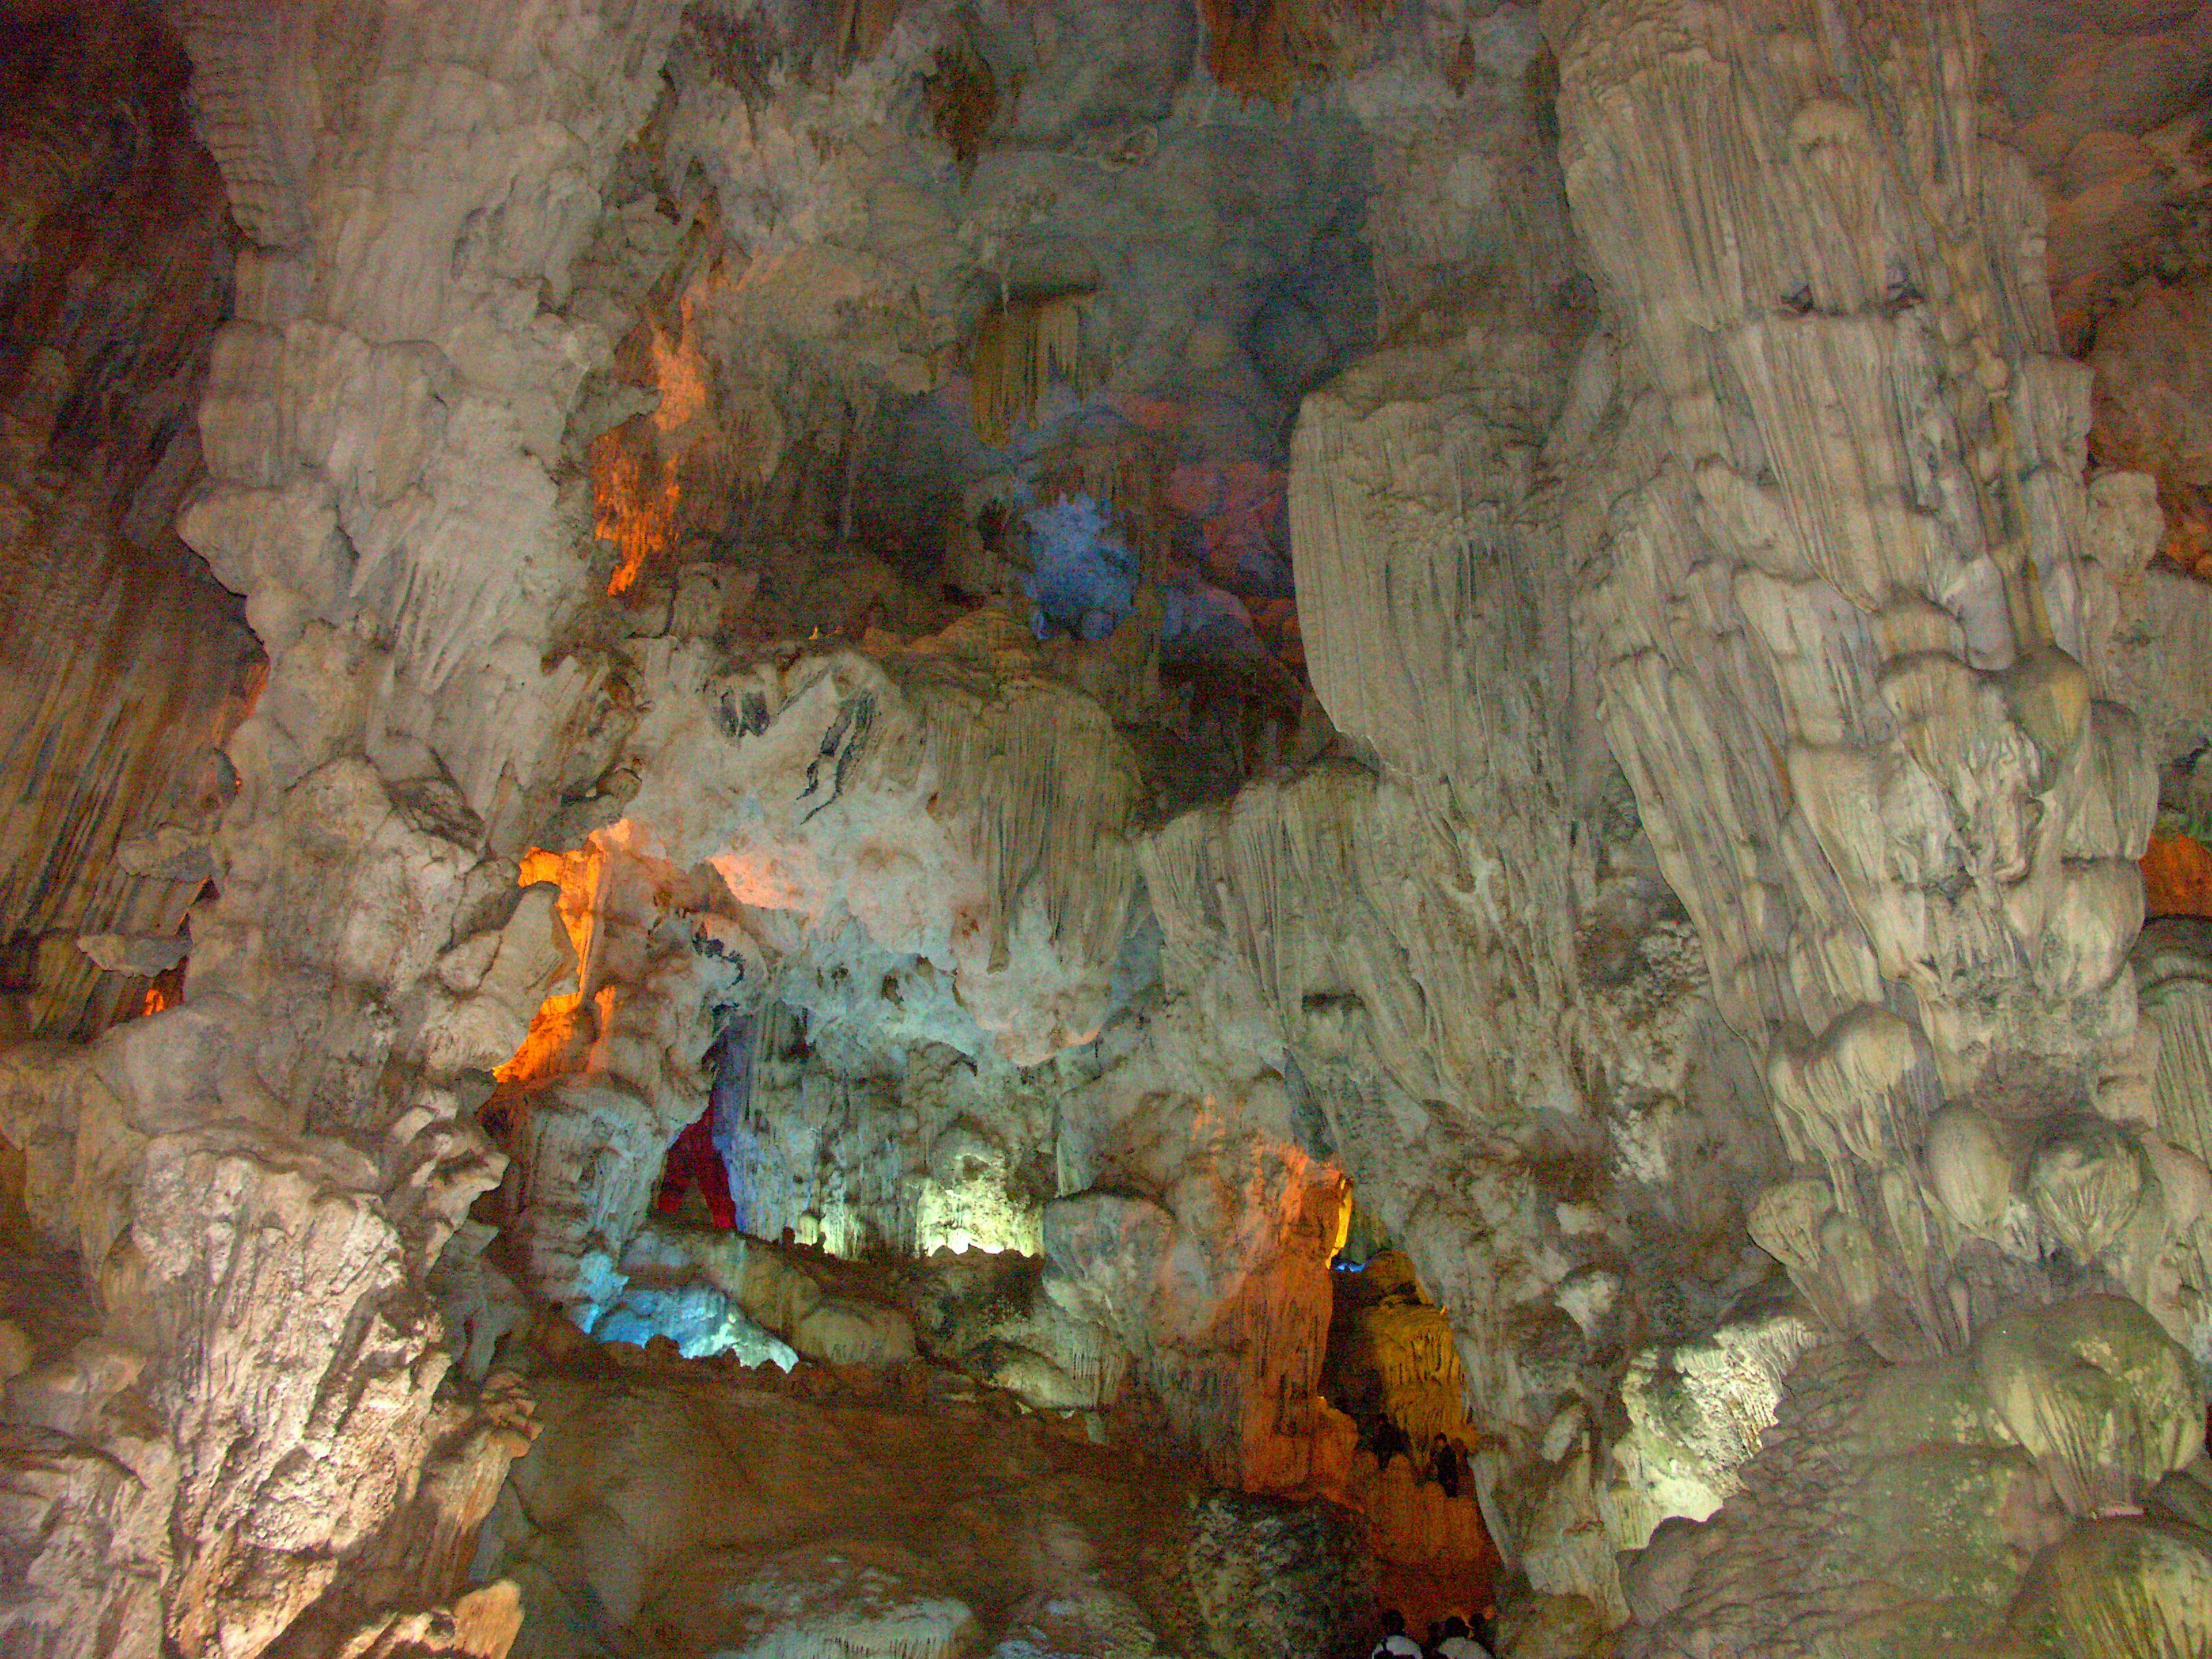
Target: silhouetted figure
{"type": "Point", "coordinates": [1459, 1643]}
{"type": "Point", "coordinates": [1395, 1644]}
{"type": "Point", "coordinates": [1444, 1465]}
{"type": "Point", "coordinates": [1389, 1441]}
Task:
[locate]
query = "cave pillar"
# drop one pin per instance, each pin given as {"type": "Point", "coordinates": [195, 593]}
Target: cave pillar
{"type": "Point", "coordinates": [259, 1180]}
{"type": "Point", "coordinates": [1851, 638]}
{"type": "Point", "coordinates": [1846, 591]}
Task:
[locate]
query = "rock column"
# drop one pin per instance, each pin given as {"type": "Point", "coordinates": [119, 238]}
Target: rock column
{"type": "Point", "coordinates": [1838, 564]}
{"type": "Point", "coordinates": [1850, 642]}
{"type": "Point", "coordinates": [259, 1180]}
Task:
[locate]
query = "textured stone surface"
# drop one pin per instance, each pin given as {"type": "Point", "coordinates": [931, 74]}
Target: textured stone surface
{"type": "Point", "coordinates": [1844, 534]}
{"type": "Point", "coordinates": [703, 1508]}
{"type": "Point", "coordinates": [1102, 650]}
{"type": "Point", "coordinates": [1270, 1578]}
{"type": "Point", "coordinates": [123, 666]}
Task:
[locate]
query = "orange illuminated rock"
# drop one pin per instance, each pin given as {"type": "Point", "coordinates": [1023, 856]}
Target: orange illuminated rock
{"type": "Point", "coordinates": [1393, 1362]}
{"type": "Point", "coordinates": [557, 1028]}
{"type": "Point", "coordinates": [634, 496]}
{"type": "Point", "coordinates": [679, 368]}
{"type": "Point", "coordinates": [1432, 1553]}
{"type": "Point", "coordinates": [554, 1030]}
{"type": "Point", "coordinates": [2177, 878]}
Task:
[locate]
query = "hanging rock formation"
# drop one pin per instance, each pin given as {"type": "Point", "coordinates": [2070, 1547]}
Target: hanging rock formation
{"type": "Point", "coordinates": [1077, 827]}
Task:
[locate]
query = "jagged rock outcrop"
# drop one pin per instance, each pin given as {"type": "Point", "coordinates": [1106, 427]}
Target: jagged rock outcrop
{"type": "Point", "coordinates": [284, 1351]}
{"type": "Point", "coordinates": [707, 1508]}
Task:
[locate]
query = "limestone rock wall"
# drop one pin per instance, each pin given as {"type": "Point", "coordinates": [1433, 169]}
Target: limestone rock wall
{"type": "Point", "coordinates": [1955, 615]}
{"type": "Point", "coordinates": [2102, 109]}
{"type": "Point", "coordinates": [1490, 1009]}
{"type": "Point", "coordinates": [122, 666]}
{"type": "Point", "coordinates": [1194, 1233]}
{"type": "Point", "coordinates": [1900, 1505]}
{"type": "Point", "coordinates": [849, 1511]}
{"type": "Point", "coordinates": [688, 692]}
{"type": "Point", "coordinates": [1840, 539]}
{"type": "Point", "coordinates": [905, 883]}
{"type": "Point", "coordinates": [380, 430]}
{"type": "Point", "coordinates": [910, 881]}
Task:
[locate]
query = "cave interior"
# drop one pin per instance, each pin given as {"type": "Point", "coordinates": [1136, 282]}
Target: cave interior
{"type": "Point", "coordinates": [1033, 829]}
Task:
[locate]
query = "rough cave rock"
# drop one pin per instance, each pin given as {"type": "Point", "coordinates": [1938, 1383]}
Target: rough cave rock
{"type": "Point", "coordinates": [1034, 828]}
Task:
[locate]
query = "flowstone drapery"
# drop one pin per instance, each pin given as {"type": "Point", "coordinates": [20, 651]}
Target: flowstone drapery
{"type": "Point", "coordinates": [1490, 1008]}
{"type": "Point", "coordinates": [1840, 540]}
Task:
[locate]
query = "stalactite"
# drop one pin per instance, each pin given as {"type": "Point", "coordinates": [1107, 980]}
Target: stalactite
{"type": "Point", "coordinates": [1271, 49]}
{"type": "Point", "coordinates": [236, 47]}
{"type": "Point", "coordinates": [1044, 789]}
{"type": "Point", "coordinates": [963, 96]}
{"type": "Point", "coordinates": [1126, 473]}
{"type": "Point", "coordinates": [1020, 345]}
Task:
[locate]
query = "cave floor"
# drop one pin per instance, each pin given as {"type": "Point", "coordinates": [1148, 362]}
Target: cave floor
{"type": "Point", "coordinates": [672, 1508]}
